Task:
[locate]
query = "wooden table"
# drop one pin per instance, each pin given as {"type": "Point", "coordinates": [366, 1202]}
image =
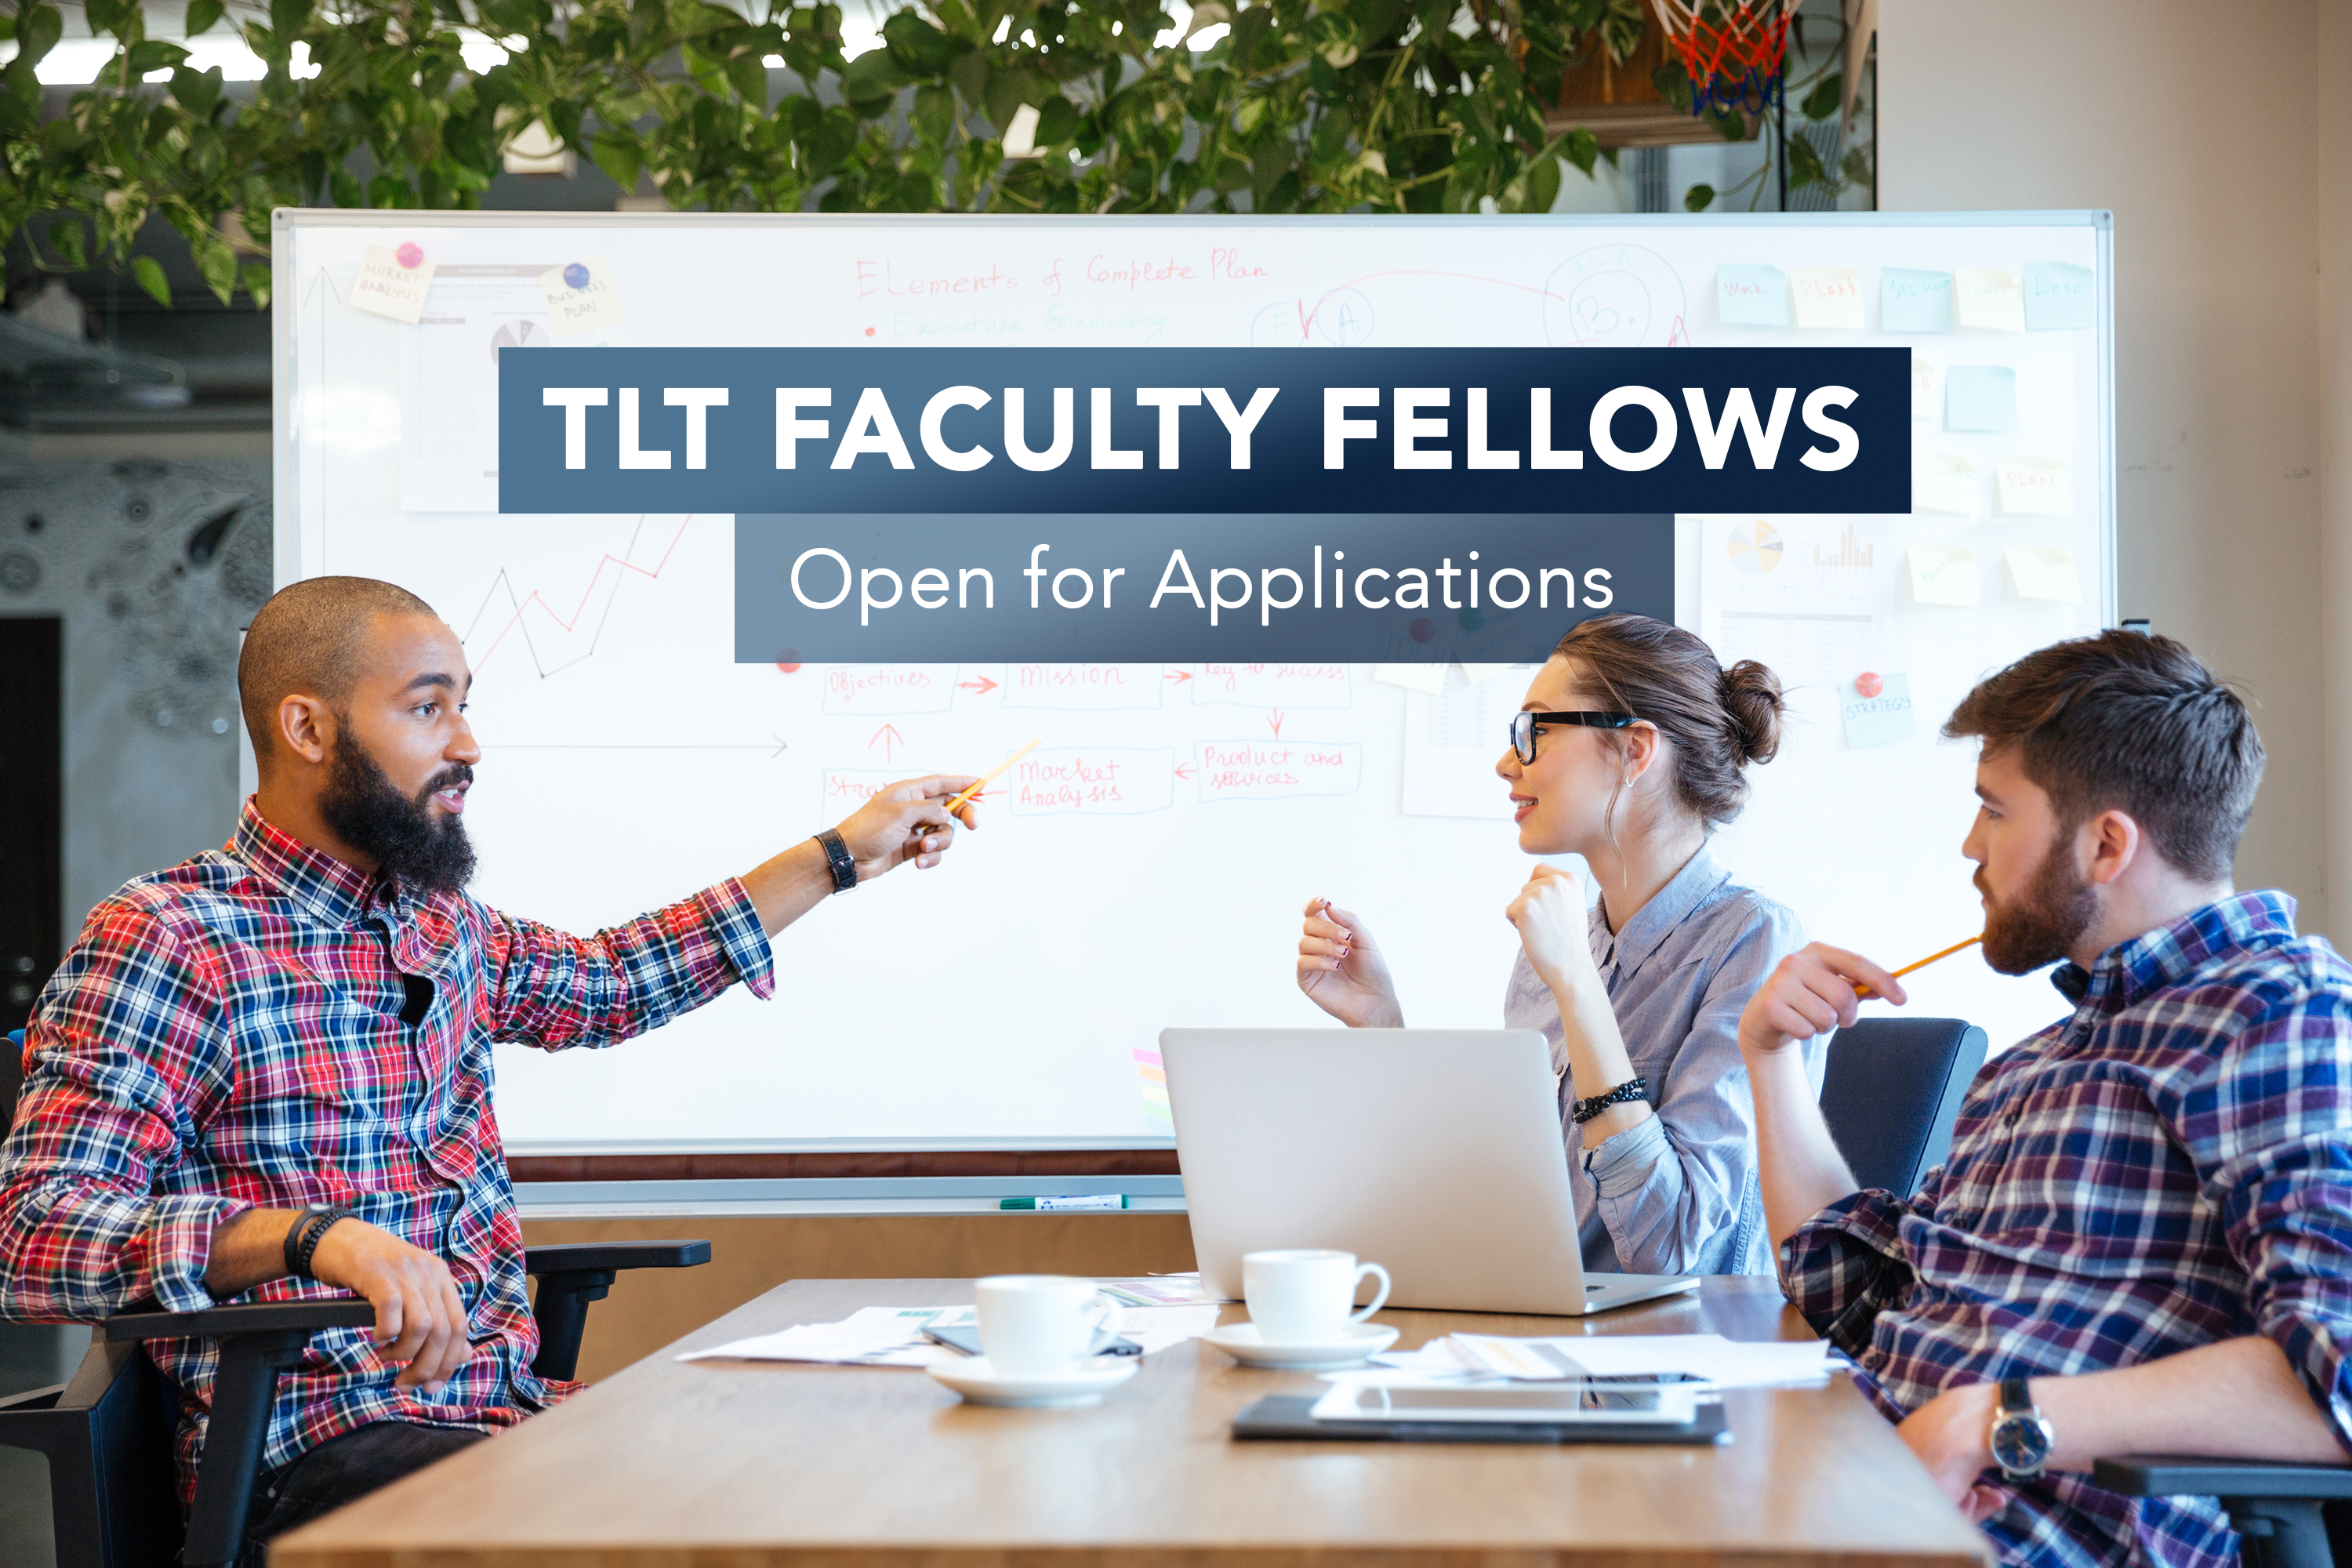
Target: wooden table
{"type": "Point", "coordinates": [740, 1464]}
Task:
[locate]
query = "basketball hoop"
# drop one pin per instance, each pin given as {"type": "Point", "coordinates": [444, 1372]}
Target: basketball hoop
{"type": "Point", "coordinates": [1732, 50]}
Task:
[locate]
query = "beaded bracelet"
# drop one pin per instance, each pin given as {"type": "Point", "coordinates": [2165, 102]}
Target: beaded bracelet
{"type": "Point", "coordinates": [1624, 1093]}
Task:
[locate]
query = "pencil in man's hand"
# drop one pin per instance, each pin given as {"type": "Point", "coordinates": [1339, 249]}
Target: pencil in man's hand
{"type": "Point", "coordinates": [962, 797]}
{"type": "Point", "coordinates": [1864, 993]}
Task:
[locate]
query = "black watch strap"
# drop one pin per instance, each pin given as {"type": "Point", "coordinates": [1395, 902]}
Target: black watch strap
{"type": "Point", "coordinates": [2017, 1397]}
{"type": "Point", "coordinates": [837, 856]}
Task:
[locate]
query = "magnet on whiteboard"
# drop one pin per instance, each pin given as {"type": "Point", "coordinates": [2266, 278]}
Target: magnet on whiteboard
{"type": "Point", "coordinates": [1868, 684]}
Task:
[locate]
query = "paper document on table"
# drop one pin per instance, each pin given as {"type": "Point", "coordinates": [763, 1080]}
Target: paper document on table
{"type": "Point", "coordinates": [1162, 1290]}
{"type": "Point", "coordinates": [893, 1336]}
{"type": "Point", "coordinates": [1726, 1363]}
{"type": "Point", "coordinates": [872, 1336]}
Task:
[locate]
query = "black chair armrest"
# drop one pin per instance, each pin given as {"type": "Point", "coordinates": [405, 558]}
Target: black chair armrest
{"type": "Point", "coordinates": [2155, 1475]}
{"type": "Point", "coordinates": [229, 1322]}
{"type": "Point", "coordinates": [596, 1256]}
{"type": "Point", "coordinates": [571, 1276]}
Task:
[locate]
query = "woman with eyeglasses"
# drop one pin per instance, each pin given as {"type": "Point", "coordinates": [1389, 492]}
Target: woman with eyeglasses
{"type": "Point", "coordinates": [1627, 752]}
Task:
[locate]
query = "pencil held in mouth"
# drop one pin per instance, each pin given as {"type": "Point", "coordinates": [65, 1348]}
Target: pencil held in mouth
{"type": "Point", "coordinates": [1864, 993]}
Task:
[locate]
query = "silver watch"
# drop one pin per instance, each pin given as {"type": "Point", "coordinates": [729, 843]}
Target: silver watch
{"type": "Point", "coordinates": [2022, 1435]}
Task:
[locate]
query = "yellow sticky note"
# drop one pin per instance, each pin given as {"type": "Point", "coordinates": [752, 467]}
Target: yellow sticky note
{"type": "Point", "coordinates": [1828, 299]}
{"type": "Point", "coordinates": [2034, 487]}
{"type": "Point", "coordinates": [1927, 389]}
{"type": "Point", "coordinates": [1427, 679]}
{"type": "Point", "coordinates": [1944, 575]}
{"type": "Point", "coordinates": [1989, 300]}
{"type": "Point", "coordinates": [1944, 481]}
{"type": "Point", "coordinates": [1477, 673]}
{"type": "Point", "coordinates": [2044, 572]}
{"type": "Point", "coordinates": [392, 282]}
{"type": "Point", "coordinates": [581, 297]}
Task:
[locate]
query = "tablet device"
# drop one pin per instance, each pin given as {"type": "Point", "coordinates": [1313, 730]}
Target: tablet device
{"type": "Point", "coordinates": [1572, 1402]}
{"type": "Point", "coordinates": [1284, 1418]}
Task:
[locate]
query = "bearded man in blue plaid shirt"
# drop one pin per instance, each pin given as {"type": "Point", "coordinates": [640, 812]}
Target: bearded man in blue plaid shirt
{"type": "Point", "coordinates": [2141, 1242]}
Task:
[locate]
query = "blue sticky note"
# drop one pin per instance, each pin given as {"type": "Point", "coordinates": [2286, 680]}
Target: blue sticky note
{"type": "Point", "coordinates": [2058, 296]}
{"type": "Point", "coordinates": [1913, 301]}
{"type": "Point", "coordinates": [1980, 397]}
{"type": "Point", "coordinates": [1879, 721]}
{"type": "Point", "coordinates": [1751, 294]}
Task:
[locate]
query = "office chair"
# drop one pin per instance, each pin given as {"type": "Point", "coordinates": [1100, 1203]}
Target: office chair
{"type": "Point", "coordinates": [1892, 1091]}
{"type": "Point", "coordinates": [2286, 1515]}
{"type": "Point", "coordinates": [108, 1433]}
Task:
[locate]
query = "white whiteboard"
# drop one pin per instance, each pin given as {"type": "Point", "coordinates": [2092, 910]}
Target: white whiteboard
{"type": "Point", "coordinates": [1000, 1000]}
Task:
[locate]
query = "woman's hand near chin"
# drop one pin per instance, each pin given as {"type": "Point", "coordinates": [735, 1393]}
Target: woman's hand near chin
{"type": "Point", "coordinates": [1550, 918]}
{"type": "Point", "coordinates": [1342, 971]}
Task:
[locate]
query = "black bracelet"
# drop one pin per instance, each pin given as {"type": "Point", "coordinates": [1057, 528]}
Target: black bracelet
{"type": "Point", "coordinates": [303, 1236]}
{"type": "Point", "coordinates": [1625, 1093]}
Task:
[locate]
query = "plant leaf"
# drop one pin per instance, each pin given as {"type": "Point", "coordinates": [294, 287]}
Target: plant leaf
{"type": "Point", "coordinates": [203, 14]}
{"type": "Point", "coordinates": [150, 274]}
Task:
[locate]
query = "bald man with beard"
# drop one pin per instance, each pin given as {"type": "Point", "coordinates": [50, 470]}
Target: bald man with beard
{"type": "Point", "coordinates": [265, 1074]}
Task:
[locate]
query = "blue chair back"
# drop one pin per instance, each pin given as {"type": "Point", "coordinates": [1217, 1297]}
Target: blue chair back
{"type": "Point", "coordinates": [1891, 1091]}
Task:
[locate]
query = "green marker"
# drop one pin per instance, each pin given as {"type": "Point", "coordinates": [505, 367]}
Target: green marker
{"type": "Point", "coordinates": [1052, 1206]}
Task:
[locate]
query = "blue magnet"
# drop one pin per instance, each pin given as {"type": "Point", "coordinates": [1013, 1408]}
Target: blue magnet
{"type": "Point", "coordinates": [575, 275]}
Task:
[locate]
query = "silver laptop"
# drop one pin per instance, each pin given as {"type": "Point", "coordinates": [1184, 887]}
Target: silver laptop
{"type": "Point", "coordinates": [1436, 1153]}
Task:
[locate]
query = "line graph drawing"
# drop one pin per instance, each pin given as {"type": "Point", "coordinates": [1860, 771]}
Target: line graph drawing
{"type": "Point", "coordinates": [518, 604]}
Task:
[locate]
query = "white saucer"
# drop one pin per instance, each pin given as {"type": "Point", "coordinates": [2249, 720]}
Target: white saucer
{"type": "Point", "coordinates": [1083, 1384]}
{"type": "Point", "coordinates": [1242, 1343]}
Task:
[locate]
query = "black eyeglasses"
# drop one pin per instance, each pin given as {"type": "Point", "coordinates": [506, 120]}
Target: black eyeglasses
{"type": "Point", "coordinates": [1523, 727]}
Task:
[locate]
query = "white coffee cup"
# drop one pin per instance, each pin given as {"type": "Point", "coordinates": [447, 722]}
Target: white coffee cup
{"type": "Point", "coordinates": [1303, 1296]}
{"type": "Point", "coordinates": [1033, 1325]}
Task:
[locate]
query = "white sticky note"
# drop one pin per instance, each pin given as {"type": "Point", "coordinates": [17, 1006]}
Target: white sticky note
{"type": "Point", "coordinates": [2058, 296]}
{"type": "Point", "coordinates": [1927, 389]}
{"type": "Point", "coordinates": [581, 297]}
{"type": "Point", "coordinates": [1944, 481]}
{"type": "Point", "coordinates": [1828, 299]}
{"type": "Point", "coordinates": [1989, 300]}
{"type": "Point", "coordinates": [1426, 679]}
{"type": "Point", "coordinates": [1944, 575]}
{"type": "Point", "coordinates": [1477, 673]}
{"type": "Point", "coordinates": [2034, 487]}
{"type": "Point", "coordinates": [2044, 572]}
{"type": "Point", "coordinates": [392, 282]}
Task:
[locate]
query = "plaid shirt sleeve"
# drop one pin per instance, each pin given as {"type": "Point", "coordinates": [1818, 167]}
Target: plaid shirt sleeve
{"type": "Point", "coordinates": [2270, 1130]}
{"type": "Point", "coordinates": [125, 1061]}
{"type": "Point", "coordinates": [554, 990]}
{"type": "Point", "coordinates": [1841, 1267]}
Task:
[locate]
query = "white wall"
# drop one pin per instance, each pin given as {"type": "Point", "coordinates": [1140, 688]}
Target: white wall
{"type": "Point", "coordinates": [2199, 128]}
{"type": "Point", "coordinates": [2333, 205]}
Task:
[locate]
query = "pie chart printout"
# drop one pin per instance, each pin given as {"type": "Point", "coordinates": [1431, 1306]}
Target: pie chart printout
{"type": "Point", "coordinates": [1755, 548]}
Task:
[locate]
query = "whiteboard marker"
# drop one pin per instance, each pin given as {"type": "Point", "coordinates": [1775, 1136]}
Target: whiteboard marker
{"type": "Point", "coordinates": [1050, 1205]}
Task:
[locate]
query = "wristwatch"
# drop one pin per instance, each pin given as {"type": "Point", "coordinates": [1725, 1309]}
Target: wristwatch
{"type": "Point", "coordinates": [2021, 1436]}
{"type": "Point", "coordinates": [837, 856]}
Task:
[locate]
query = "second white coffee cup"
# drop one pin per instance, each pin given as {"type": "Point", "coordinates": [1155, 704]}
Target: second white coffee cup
{"type": "Point", "coordinates": [1302, 1297]}
{"type": "Point", "coordinates": [1033, 1325]}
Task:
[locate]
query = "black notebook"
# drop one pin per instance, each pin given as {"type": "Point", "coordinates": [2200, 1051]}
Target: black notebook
{"type": "Point", "coordinates": [1284, 1417]}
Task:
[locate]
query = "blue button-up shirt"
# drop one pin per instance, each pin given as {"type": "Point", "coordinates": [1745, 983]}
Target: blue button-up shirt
{"type": "Point", "coordinates": [1678, 1194]}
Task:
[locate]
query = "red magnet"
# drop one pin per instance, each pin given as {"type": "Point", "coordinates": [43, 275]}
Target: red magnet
{"type": "Point", "coordinates": [1869, 684]}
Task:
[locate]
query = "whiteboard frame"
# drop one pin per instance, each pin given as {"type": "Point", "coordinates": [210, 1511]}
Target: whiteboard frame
{"type": "Point", "coordinates": [286, 303]}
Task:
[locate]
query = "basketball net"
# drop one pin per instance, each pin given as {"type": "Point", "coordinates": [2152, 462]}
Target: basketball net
{"type": "Point", "coordinates": [1732, 50]}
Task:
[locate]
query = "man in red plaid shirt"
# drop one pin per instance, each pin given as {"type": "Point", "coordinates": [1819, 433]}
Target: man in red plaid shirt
{"type": "Point", "coordinates": [266, 1073]}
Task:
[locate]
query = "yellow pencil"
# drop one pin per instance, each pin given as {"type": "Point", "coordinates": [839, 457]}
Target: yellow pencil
{"type": "Point", "coordinates": [965, 795]}
{"type": "Point", "coordinates": [1864, 993]}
